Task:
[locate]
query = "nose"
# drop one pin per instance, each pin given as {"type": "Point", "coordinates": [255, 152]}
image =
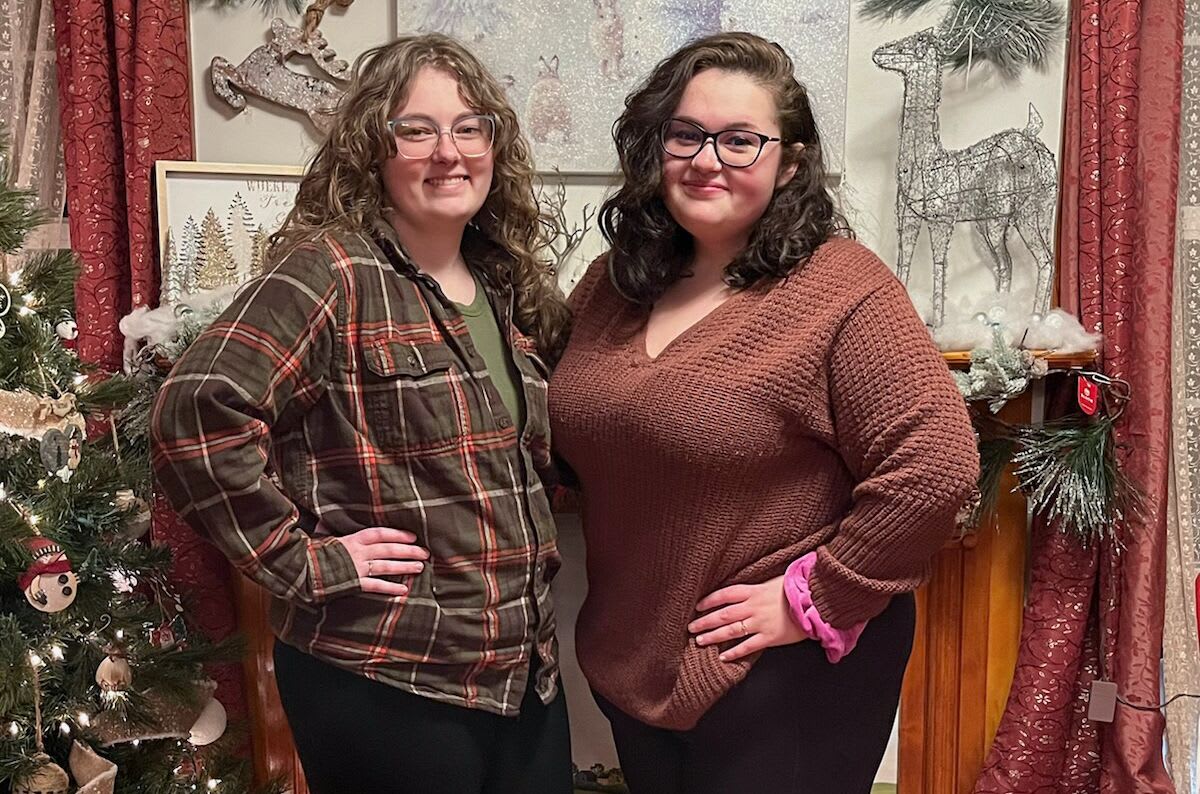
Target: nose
{"type": "Point", "coordinates": [706, 159]}
{"type": "Point", "coordinates": [446, 151]}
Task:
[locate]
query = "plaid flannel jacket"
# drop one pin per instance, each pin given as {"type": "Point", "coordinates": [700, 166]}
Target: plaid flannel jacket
{"type": "Point", "coordinates": [341, 391]}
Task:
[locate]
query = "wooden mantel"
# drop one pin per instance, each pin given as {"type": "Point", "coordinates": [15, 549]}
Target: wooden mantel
{"type": "Point", "coordinates": [968, 633]}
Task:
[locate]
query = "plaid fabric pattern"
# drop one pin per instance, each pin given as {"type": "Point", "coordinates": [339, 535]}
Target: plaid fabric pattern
{"type": "Point", "coordinates": [341, 391]}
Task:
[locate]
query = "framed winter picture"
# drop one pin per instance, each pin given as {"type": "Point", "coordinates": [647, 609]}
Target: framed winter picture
{"type": "Point", "coordinates": [214, 220]}
{"type": "Point", "coordinates": [568, 66]}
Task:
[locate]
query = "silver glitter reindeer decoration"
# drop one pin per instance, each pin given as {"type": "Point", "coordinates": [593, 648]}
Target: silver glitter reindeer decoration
{"type": "Point", "coordinates": [1005, 181]}
{"type": "Point", "coordinates": [264, 73]}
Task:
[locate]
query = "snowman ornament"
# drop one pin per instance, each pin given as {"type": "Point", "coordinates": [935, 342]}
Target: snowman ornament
{"type": "Point", "coordinates": [49, 583]}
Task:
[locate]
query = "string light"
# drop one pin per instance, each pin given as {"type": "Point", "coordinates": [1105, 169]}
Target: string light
{"type": "Point", "coordinates": [213, 782]}
{"type": "Point", "coordinates": [80, 379]}
{"type": "Point", "coordinates": [41, 484]}
{"type": "Point", "coordinates": [35, 660]}
{"type": "Point", "coordinates": [14, 278]}
{"type": "Point", "coordinates": [25, 311]}
{"type": "Point", "coordinates": [34, 518]}
{"type": "Point", "coordinates": [136, 742]}
{"type": "Point", "coordinates": [56, 652]}
{"type": "Point", "coordinates": [64, 729]}
{"type": "Point", "coordinates": [120, 634]}
{"type": "Point", "coordinates": [3, 492]}
{"type": "Point", "coordinates": [14, 729]}
{"type": "Point", "coordinates": [84, 719]}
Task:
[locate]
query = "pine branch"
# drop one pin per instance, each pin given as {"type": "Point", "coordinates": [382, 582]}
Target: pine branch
{"type": "Point", "coordinates": [1069, 471]}
{"type": "Point", "coordinates": [887, 10]}
{"type": "Point", "coordinates": [268, 6]}
{"type": "Point", "coordinates": [1012, 35]}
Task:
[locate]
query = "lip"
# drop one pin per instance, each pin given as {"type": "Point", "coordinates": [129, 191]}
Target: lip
{"type": "Point", "coordinates": [447, 181]}
{"type": "Point", "coordinates": [704, 188]}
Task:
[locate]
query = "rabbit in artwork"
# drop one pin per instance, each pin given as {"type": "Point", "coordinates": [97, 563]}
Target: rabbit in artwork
{"type": "Point", "coordinates": [608, 37]}
{"type": "Point", "coordinates": [547, 112]}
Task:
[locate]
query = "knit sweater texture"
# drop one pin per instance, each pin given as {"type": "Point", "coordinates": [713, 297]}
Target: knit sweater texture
{"type": "Point", "coordinates": [811, 413]}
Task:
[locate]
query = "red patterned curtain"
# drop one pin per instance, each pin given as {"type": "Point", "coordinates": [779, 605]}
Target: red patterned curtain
{"type": "Point", "coordinates": [1098, 610]}
{"type": "Point", "coordinates": [125, 99]}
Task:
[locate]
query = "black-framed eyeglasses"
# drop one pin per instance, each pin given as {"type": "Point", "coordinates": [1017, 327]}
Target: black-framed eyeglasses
{"type": "Point", "coordinates": [417, 137]}
{"type": "Point", "coordinates": [734, 148]}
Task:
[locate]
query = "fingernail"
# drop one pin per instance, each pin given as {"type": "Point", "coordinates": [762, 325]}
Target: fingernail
{"type": "Point", "coordinates": [724, 657]}
{"type": "Point", "coordinates": [403, 590]}
{"type": "Point", "coordinates": [702, 641]}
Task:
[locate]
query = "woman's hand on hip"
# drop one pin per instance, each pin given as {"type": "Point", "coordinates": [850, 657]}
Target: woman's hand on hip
{"type": "Point", "coordinates": [757, 614]}
{"type": "Point", "coordinates": [381, 551]}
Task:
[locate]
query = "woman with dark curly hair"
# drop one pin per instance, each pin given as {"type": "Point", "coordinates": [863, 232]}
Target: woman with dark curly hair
{"type": "Point", "coordinates": [769, 446]}
{"type": "Point", "coordinates": [363, 433]}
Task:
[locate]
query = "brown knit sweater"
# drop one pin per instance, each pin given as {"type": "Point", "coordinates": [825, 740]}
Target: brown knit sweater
{"type": "Point", "coordinates": [807, 413]}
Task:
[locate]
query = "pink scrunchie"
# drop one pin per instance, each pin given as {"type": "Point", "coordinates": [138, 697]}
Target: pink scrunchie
{"type": "Point", "coordinates": [836, 642]}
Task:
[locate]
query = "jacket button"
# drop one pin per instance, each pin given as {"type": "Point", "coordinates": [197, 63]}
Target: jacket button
{"type": "Point", "coordinates": [412, 361]}
{"type": "Point", "coordinates": [504, 421]}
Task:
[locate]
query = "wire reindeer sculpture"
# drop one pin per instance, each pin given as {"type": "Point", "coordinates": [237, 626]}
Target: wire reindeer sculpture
{"type": "Point", "coordinates": [1003, 182]}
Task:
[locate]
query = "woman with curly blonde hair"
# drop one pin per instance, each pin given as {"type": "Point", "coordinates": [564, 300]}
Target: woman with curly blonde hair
{"type": "Point", "coordinates": [364, 431]}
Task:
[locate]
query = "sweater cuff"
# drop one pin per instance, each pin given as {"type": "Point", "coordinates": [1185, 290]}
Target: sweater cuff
{"type": "Point", "coordinates": [836, 642]}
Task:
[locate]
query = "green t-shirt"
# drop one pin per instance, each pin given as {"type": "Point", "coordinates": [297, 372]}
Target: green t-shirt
{"type": "Point", "coordinates": [490, 342]}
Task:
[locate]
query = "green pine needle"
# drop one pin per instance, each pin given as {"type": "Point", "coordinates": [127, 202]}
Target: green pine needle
{"type": "Point", "coordinates": [1069, 471]}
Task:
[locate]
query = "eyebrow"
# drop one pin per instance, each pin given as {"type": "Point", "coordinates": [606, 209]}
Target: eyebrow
{"type": "Point", "coordinates": [742, 124]}
{"type": "Point", "coordinates": [425, 117]}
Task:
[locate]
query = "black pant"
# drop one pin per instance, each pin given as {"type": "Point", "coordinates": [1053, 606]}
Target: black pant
{"type": "Point", "coordinates": [357, 736]}
{"type": "Point", "coordinates": [795, 725]}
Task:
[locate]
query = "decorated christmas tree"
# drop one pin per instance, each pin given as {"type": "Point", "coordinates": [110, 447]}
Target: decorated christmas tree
{"type": "Point", "coordinates": [99, 674]}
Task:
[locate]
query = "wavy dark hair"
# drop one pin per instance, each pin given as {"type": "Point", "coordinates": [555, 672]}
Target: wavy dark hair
{"type": "Point", "coordinates": [342, 189]}
{"type": "Point", "coordinates": [650, 251]}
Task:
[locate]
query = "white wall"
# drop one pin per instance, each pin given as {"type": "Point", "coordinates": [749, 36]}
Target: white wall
{"type": "Point", "coordinates": [264, 134]}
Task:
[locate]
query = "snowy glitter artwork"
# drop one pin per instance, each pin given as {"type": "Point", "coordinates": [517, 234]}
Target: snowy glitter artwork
{"type": "Point", "coordinates": [215, 221]}
{"type": "Point", "coordinates": [568, 66]}
{"type": "Point", "coordinates": [1005, 182]}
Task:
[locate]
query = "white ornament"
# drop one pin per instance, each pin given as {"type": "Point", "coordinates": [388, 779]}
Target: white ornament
{"type": "Point", "coordinates": [210, 725]}
{"type": "Point", "coordinates": [114, 674]}
{"type": "Point", "coordinates": [67, 329]}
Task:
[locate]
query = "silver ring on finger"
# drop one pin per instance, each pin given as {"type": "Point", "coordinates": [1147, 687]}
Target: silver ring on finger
{"type": "Point", "coordinates": [745, 631]}
{"type": "Point", "coordinates": [369, 562]}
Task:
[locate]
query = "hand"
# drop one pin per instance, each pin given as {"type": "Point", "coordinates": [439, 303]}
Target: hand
{"type": "Point", "coordinates": [381, 551]}
{"type": "Point", "coordinates": [758, 613]}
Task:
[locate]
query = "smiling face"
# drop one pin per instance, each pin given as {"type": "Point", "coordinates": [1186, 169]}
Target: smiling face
{"type": "Point", "coordinates": [446, 189]}
{"type": "Point", "coordinates": [710, 200]}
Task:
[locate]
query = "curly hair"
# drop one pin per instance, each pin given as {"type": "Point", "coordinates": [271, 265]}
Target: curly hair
{"type": "Point", "coordinates": [650, 251]}
{"type": "Point", "coordinates": [342, 189]}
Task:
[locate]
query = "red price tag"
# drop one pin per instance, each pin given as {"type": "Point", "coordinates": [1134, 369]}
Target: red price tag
{"type": "Point", "coordinates": [1089, 396]}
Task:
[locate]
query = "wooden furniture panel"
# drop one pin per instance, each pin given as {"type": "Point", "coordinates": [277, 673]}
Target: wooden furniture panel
{"type": "Point", "coordinates": [965, 650]}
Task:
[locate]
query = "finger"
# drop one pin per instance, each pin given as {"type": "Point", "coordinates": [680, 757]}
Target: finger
{"type": "Point", "coordinates": [383, 587]}
{"type": "Point", "coordinates": [753, 644]}
{"type": "Point", "coordinates": [726, 595]}
{"type": "Point", "coordinates": [732, 631]}
{"type": "Point", "coordinates": [394, 551]}
{"type": "Point", "coordinates": [386, 535]}
{"type": "Point", "coordinates": [721, 617]}
{"type": "Point", "coordinates": [395, 567]}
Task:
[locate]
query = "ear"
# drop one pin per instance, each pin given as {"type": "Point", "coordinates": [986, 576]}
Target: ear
{"type": "Point", "coordinates": [787, 172]}
{"type": "Point", "coordinates": [554, 64]}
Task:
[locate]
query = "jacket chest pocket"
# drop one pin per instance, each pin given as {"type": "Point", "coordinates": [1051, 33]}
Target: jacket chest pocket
{"type": "Point", "coordinates": [412, 395]}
